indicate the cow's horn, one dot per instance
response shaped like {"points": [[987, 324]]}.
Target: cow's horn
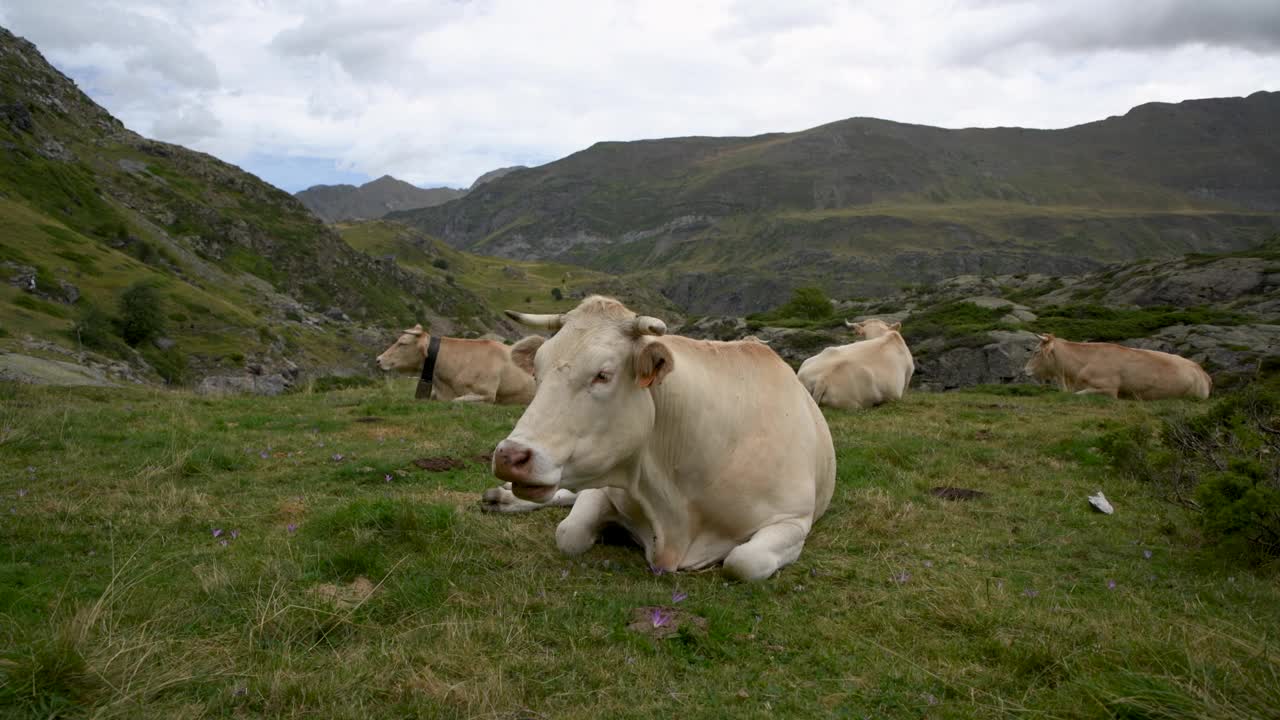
{"points": [[850, 324], [553, 321], [646, 325]]}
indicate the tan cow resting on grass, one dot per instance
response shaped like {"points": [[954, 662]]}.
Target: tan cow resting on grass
{"points": [[465, 370], [862, 374], [706, 452], [1107, 369]]}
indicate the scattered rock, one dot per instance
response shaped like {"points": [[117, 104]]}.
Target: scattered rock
{"points": [[273, 384], [1099, 502], [22, 277], [17, 116], [336, 314], [70, 292], [164, 343], [42, 371]]}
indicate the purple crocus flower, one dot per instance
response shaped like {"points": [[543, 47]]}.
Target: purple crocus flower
{"points": [[678, 596], [223, 543], [217, 532], [240, 691], [656, 570], [1031, 593], [264, 454], [902, 577], [1111, 584], [291, 527], [386, 478], [1146, 554], [928, 563], [659, 617], [235, 534], [22, 492], [337, 457]]}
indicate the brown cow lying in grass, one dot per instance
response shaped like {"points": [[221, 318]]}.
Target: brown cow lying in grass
{"points": [[1104, 368], [466, 370]]}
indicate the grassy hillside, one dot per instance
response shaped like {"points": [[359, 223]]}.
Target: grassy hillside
{"points": [[173, 556], [862, 205], [244, 270], [501, 282]]}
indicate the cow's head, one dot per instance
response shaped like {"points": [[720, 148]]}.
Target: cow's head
{"points": [[592, 410], [407, 353], [1042, 361], [871, 329]]}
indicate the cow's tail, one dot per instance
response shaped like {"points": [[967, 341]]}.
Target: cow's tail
{"points": [[1208, 383]]}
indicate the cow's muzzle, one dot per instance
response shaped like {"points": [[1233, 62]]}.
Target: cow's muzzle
{"points": [[513, 462]]}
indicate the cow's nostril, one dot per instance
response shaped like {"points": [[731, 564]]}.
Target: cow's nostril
{"points": [[521, 457]]}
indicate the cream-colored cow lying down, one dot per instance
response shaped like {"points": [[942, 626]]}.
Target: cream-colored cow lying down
{"points": [[1106, 369], [706, 452], [466, 370], [862, 374]]}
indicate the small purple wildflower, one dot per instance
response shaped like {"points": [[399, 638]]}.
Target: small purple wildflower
{"points": [[1111, 584], [929, 698], [223, 543], [235, 534], [264, 454], [240, 691], [901, 578], [386, 478], [564, 573], [928, 563], [1146, 554], [22, 492], [678, 596], [217, 532], [656, 570], [337, 457], [291, 527], [1031, 593], [31, 469], [659, 617]]}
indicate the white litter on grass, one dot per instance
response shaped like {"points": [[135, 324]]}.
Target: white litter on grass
{"points": [[1099, 503]]}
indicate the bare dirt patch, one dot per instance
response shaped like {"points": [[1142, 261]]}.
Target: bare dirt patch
{"points": [[955, 493], [370, 419], [439, 464], [346, 596], [663, 621]]}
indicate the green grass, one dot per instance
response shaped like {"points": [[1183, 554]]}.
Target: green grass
{"points": [[1102, 323], [116, 599]]}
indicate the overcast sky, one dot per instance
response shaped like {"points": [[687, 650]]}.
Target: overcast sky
{"points": [[436, 92]]}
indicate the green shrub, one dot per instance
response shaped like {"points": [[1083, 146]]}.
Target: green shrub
{"points": [[951, 320], [338, 382], [1223, 462], [95, 329], [556, 294], [171, 364], [440, 263], [808, 302], [1098, 323], [141, 313]]}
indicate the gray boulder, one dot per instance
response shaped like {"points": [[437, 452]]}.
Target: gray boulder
{"points": [[996, 357]]}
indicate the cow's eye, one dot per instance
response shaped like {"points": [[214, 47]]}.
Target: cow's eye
{"points": [[601, 378]]}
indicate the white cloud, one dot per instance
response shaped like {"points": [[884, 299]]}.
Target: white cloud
{"points": [[440, 92]]}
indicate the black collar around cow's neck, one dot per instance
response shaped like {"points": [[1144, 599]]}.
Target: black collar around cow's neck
{"points": [[428, 368]]}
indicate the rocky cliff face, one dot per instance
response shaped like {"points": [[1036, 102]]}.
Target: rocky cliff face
{"points": [[991, 343]]}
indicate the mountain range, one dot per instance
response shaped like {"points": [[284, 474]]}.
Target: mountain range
{"points": [[862, 206], [374, 199]]}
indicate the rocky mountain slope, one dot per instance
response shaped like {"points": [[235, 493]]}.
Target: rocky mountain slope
{"points": [[861, 206], [1220, 309], [334, 203], [253, 288]]}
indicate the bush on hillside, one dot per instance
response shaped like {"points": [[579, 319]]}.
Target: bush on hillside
{"points": [[141, 313], [95, 329], [1099, 323], [808, 307], [1224, 463]]}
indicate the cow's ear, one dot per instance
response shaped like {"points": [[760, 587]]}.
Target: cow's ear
{"points": [[653, 362], [896, 326], [522, 352], [1047, 337]]}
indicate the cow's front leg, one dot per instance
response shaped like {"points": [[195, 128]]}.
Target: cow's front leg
{"points": [[772, 547], [592, 510], [473, 397], [501, 499], [1114, 393]]}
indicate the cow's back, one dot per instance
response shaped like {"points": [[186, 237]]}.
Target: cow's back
{"points": [[861, 374], [748, 423]]}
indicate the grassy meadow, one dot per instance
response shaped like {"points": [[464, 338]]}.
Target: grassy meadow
{"points": [[169, 555]]}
